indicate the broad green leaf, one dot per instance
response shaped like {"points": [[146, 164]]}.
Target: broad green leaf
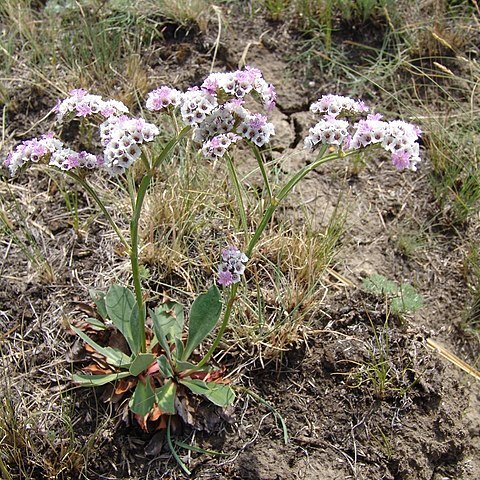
{"points": [[170, 319], [99, 299], [114, 357], [221, 395], [159, 333], [165, 397], [96, 323], [165, 367], [143, 397], [98, 380], [204, 315], [196, 386], [182, 366], [179, 348], [141, 362], [135, 327], [120, 303]]}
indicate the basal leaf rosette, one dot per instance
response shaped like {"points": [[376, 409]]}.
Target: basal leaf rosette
{"points": [[164, 381]]}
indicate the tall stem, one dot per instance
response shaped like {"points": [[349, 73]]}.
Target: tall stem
{"points": [[284, 191], [137, 284], [261, 165], [142, 191], [238, 193]]}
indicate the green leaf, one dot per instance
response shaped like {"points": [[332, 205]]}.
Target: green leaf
{"points": [[143, 397], [179, 348], [170, 319], [204, 316], [96, 323], [183, 366], [114, 357], [165, 367], [409, 300], [98, 298], [165, 397], [159, 333], [120, 304], [98, 380], [135, 327], [380, 285], [141, 362], [221, 395]]}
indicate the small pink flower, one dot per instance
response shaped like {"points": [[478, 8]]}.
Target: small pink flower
{"points": [[401, 159], [83, 109]]}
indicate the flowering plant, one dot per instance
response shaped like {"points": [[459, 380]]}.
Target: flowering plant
{"points": [[159, 363]]}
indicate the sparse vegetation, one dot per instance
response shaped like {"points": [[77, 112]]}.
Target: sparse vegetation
{"points": [[413, 60]]}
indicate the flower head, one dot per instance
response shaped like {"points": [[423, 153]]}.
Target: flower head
{"points": [[83, 104], [232, 267], [397, 137], [163, 97], [216, 110], [34, 150], [122, 137], [334, 105]]}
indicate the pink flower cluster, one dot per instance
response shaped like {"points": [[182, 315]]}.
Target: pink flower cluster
{"points": [[398, 138], [49, 148], [334, 105], [83, 104], [216, 109], [232, 267], [163, 97], [120, 135]]}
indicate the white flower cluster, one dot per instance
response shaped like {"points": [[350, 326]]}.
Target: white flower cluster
{"points": [[334, 105], [216, 110], [256, 128], [232, 267], [68, 159], [397, 137], [330, 132], [218, 145], [241, 83], [83, 104], [48, 148], [196, 105], [122, 137], [163, 97]]}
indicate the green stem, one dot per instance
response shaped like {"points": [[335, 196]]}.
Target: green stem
{"points": [[284, 191], [238, 193], [142, 190], [169, 147], [223, 326], [274, 202], [141, 193], [261, 165], [172, 448], [83, 182]]}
